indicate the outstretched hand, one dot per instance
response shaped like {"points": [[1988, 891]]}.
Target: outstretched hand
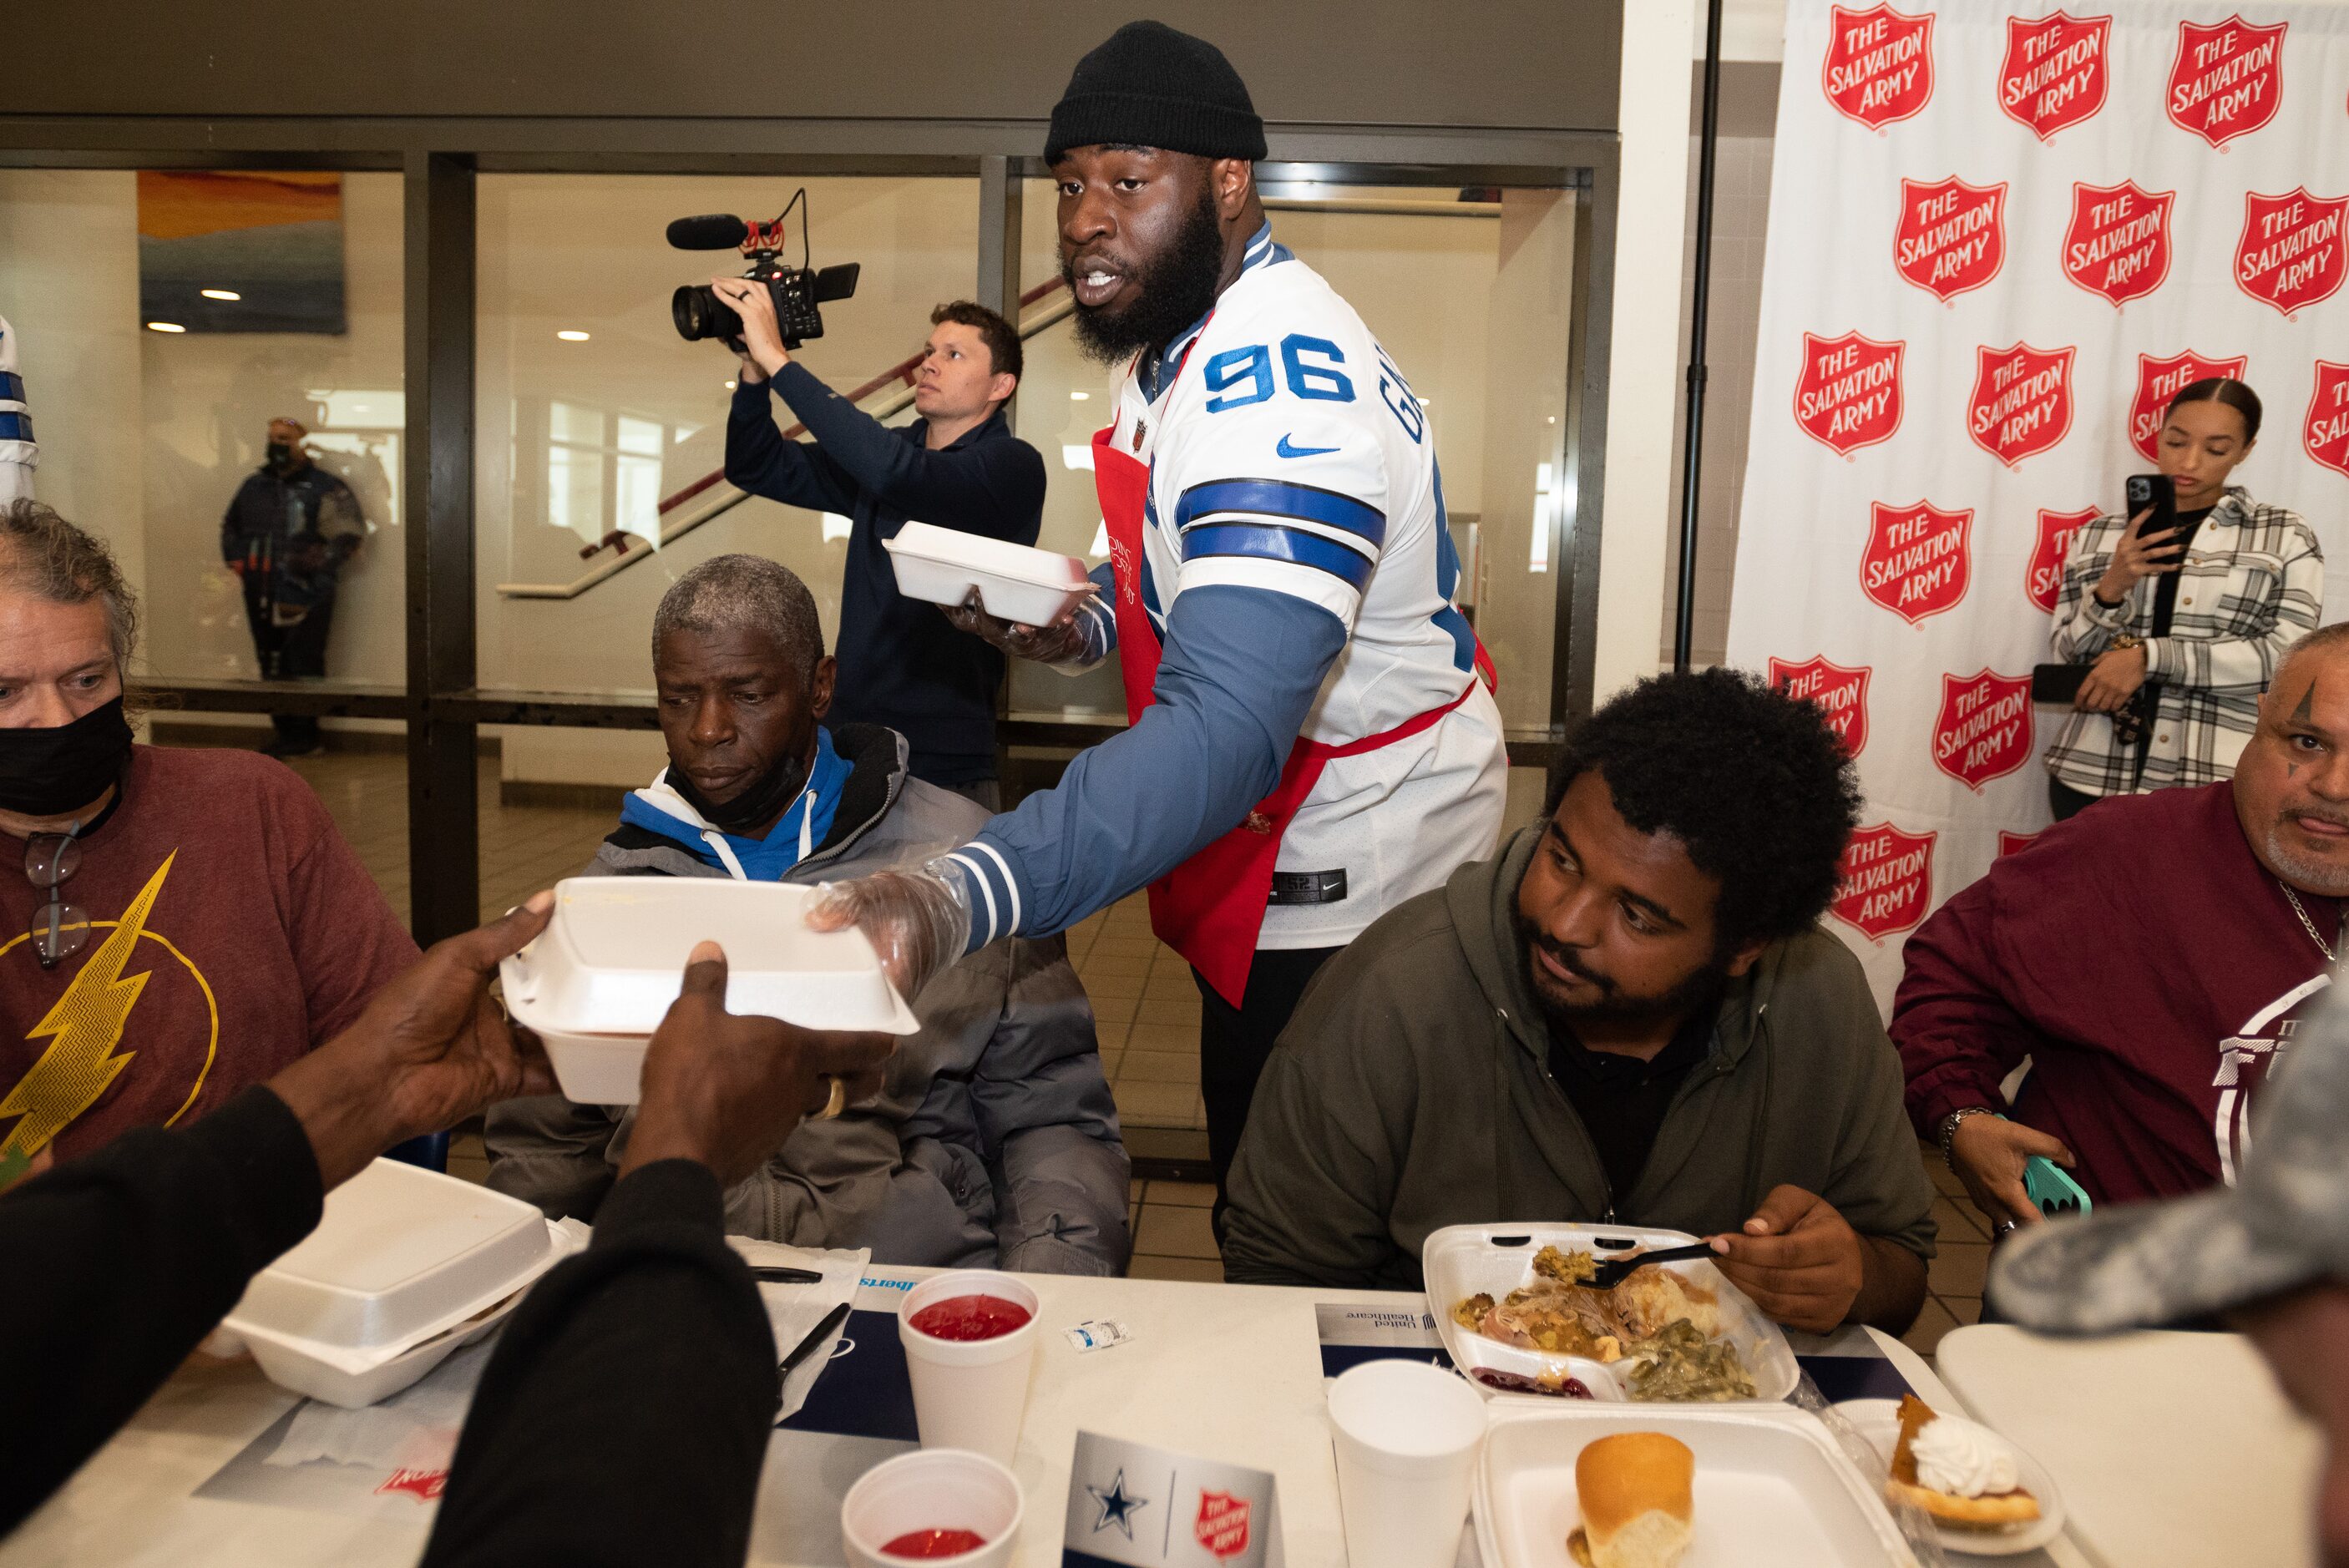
{"points": [[429, 1050]]}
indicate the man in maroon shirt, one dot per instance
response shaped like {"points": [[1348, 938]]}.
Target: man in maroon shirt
{"points": [[174, 925], [2152, 957]]}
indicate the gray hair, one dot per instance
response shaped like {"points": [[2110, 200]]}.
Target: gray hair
{"points": [[2317, 642], [47, 556], [734, 592]]}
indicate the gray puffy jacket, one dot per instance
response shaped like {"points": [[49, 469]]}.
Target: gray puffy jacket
{"points": [[994, 1141]]}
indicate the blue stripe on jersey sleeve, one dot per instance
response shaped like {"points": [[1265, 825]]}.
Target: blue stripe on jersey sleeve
{"points": [[12, 386], [1276, 497], [1270, 541], [15, 427]]}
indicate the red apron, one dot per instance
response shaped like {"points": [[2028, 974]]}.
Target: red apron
{"points": [[1210, 908]]}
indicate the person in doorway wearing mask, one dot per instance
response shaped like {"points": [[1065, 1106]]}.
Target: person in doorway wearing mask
{"points": [[1630, 1018], [174, 925], [994, 1141], [2181, 627], [290, 530]]}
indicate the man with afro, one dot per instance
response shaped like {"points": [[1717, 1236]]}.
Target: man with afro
{"points": [[1629, 1017]]}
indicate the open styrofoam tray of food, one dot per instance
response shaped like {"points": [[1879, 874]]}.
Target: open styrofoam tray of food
{"points": [[1771, 1489], [595, 983], [1527, 1352], [1013, 582]]}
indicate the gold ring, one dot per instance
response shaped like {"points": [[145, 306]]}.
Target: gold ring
{"points": [[832, 1107]]}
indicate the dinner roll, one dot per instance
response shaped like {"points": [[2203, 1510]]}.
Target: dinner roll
{"points": [[1634, 1489]]}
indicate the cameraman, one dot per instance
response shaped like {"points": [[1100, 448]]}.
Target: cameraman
{"points": [[958, 466]]}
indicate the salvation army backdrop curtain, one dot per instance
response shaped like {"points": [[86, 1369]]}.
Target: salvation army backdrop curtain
{"points": [[2001, 236]]}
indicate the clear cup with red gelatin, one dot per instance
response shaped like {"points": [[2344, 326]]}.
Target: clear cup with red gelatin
{"points": [[970, 1338], [946, 1508]]}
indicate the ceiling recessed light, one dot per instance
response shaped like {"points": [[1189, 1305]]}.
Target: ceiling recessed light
{"points": [[165, 326], [220, 294], [1079, 396], [729, 386], [572, 335]]}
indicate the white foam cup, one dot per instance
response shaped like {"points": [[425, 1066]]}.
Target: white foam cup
{"points": [[1406, 1434], [935, 1489], [969, 1393]]}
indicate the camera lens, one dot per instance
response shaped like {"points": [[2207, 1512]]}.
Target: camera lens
{"points": [[700, 314]]}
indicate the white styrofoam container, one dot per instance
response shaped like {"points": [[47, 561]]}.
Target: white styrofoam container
{"points": [[400, 1252], [595, 983], [1771, 1488], [305, 1367], [1013, 582], [1460, 1261]]}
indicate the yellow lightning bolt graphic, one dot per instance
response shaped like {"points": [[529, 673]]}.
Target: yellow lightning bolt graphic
{"points": [[84, 1028]]}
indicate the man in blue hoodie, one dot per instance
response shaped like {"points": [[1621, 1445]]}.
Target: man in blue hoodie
{"points": [[994, 1139]]}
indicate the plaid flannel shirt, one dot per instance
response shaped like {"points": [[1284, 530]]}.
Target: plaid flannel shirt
{"points": [[2252, 584]]}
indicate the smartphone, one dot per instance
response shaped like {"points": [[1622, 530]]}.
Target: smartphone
{"points": [[2153, 491]]}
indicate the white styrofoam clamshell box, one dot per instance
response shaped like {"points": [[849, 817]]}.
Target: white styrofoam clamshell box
{"points": [[1771, 1491], [1014, 582], [401, 1256], [1460, 1261], [595, 982]]}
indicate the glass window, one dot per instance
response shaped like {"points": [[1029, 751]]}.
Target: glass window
{"points": [[162, 321]]}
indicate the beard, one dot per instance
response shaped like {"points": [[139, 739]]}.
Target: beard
{"points": [[2310, 873], [1614, 1005], [1176, 289]]}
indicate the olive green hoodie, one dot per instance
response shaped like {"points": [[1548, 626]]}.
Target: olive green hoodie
{"points": [[1412, 1091]]}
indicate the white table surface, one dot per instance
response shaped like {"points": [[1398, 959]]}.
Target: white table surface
{"points": [[1226, 1371], [2173, 1450]]}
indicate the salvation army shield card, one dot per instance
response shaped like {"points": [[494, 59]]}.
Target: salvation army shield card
{"points": [[1133, 1506]]}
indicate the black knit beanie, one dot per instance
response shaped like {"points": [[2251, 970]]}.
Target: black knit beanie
{"points": [[1154, 86]]}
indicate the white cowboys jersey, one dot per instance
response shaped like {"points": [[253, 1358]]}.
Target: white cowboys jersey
{"points": [[19, 455], [1289, 455]]}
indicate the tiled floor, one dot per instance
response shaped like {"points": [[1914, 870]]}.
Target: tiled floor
{"points": [[1145, 1007]]}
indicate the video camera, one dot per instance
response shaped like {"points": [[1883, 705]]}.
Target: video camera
{"points": [[796, 290]]}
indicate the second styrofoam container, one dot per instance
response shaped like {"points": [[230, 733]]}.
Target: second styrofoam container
{"points": [[1772, 1490], [595, 982], [1013, 582], [1461, 1261]]}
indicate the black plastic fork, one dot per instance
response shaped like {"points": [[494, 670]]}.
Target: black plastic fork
{"points": [[1613, 1272]]}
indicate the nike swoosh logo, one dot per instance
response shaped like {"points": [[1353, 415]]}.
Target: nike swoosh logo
{"points": [[1285, 450]]}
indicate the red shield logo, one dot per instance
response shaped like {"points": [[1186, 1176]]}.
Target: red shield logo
{"points": [[1849, 393], [425, 1486], [2118, 243], [2043, 577], [1918, 561], [2054, 73], [1984, 730], [1887, 881], [1952, 236], [1223, 1525], [1880, 64], [2327, 432], [2021, 403], [2010, 842], [2227, 80], [2291, 252], [2159, 380], [1840, 693]]}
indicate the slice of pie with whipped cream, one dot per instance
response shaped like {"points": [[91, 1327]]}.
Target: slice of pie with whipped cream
{"points": [[1957, 1470]]}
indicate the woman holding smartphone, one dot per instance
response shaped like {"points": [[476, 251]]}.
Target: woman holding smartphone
{"points": [[2179, 621]]}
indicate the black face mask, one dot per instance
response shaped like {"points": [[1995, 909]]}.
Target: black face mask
{"points": [[766, 798], [49, 772], [280, 453]]}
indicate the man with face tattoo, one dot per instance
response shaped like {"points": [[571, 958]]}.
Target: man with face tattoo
{"points": [[1629, 1017], [1310, 743], [2153, 958]]}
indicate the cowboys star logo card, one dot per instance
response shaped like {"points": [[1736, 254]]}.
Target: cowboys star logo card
{"points": [[1133, 1506]]}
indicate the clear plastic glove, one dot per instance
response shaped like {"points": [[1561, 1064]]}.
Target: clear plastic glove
{"points": [[917, 921], [1059, 643]]}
